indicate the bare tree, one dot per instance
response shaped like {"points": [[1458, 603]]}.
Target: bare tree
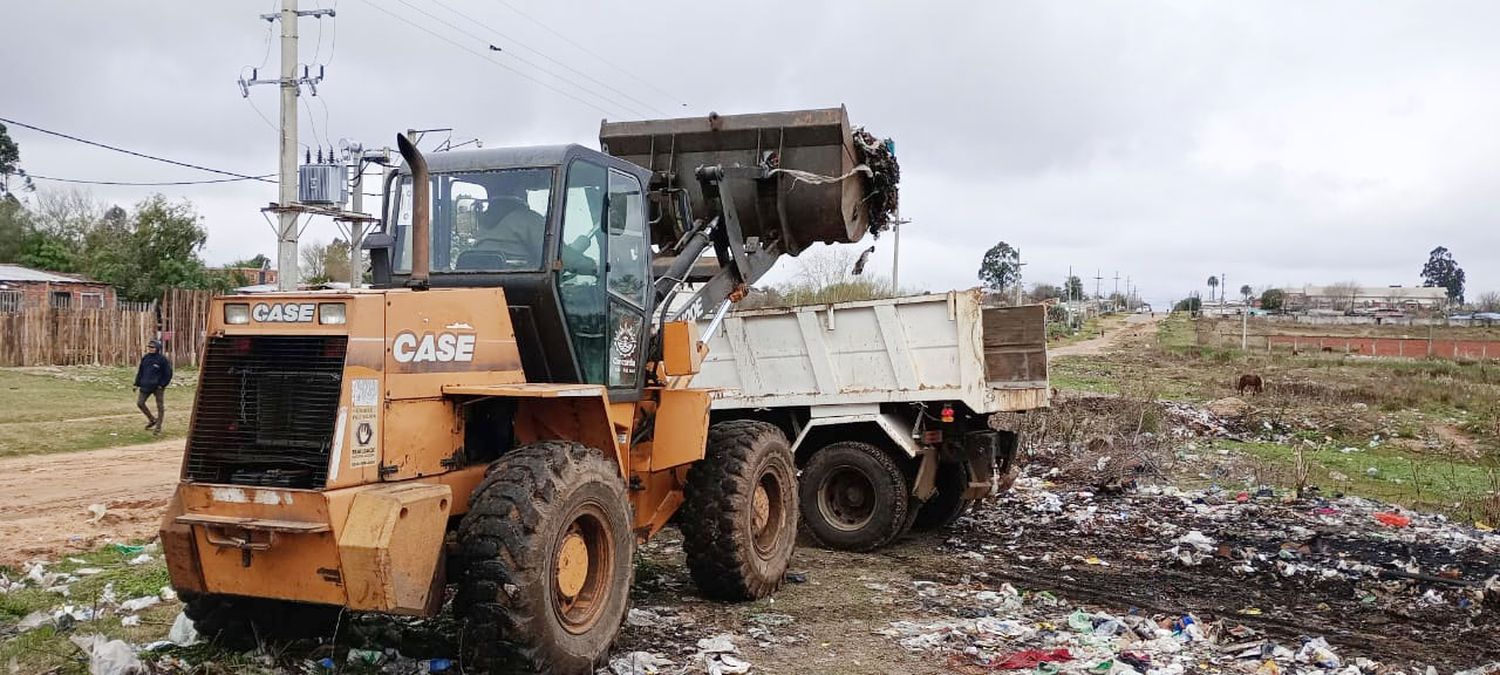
{"points": [[1489, 301], [1342, 295]]}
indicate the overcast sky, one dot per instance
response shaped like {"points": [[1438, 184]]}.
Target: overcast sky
{"points": [[1277, 143]]}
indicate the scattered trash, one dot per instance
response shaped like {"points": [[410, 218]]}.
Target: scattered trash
{"points": [[108, 657], [1392, 519], [97, 512], [1031, 658], [638, 663]]}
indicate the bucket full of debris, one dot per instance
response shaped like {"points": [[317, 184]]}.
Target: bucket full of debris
{"points": [[823, 181]]}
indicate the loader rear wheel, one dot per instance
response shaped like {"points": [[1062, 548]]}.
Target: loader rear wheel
{"points": [[547, 551], [241, 623], [739, 520], [854, 497], [947, 504]]}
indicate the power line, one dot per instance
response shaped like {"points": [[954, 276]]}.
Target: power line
{"points": [[424, 29], [533, 64], [149, 183], [588, 51], [132, 152], [538, 52]]}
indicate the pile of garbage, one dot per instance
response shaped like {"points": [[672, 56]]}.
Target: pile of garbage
{"points": [[1014, 630], [1250, 572], [882, 194]]}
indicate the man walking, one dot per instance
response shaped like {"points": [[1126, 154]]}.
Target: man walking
{"points": [[151, 378]]}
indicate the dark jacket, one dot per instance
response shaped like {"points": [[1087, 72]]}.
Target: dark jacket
{"points": [[155, 372]]}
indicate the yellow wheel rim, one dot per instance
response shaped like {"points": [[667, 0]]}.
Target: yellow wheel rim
{"points": [[572, 565]]}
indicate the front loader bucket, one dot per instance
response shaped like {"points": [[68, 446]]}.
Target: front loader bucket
{"points": [[801, 212]]}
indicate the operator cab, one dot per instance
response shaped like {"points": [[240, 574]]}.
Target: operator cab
{"points": [[563, 229]]}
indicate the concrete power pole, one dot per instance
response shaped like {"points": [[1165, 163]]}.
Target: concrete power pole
{"points": [[286, 227], [896, 252], [286, 207], [357, 228]]}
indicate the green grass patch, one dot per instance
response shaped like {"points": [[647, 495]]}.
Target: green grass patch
{"points": [[1081, 374], [1445, 484], [45, 649], [63, 409]]}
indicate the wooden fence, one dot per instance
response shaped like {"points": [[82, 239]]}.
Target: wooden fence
{"points": [[39, 335]]}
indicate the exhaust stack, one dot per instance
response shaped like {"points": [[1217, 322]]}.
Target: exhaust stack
{"points": [[421, 211]]}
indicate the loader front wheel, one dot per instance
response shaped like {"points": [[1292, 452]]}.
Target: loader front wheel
{"points": [[739, 520], [241, 623], [547, 552], [854, 497]]}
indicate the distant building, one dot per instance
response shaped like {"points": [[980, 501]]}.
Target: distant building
{"points": [[1365, 299], [248, 276], [25, 287]]}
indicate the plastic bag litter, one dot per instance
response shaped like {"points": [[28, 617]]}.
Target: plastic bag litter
{"points": [[637, 663], [138, 604], [96, 512], [1317, 652], [108, 657], [183, 632]]}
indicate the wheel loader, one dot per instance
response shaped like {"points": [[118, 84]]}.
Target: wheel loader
{"points": [[507, 411]]}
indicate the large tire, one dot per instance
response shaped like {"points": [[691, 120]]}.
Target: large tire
{"points": [[947, 504], [854, 497], [739, 520], [239, 622], [547, 561]]}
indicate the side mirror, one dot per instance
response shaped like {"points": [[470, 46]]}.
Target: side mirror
{"points": [[380, 245]]}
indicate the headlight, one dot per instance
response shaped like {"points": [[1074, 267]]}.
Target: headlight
{"points": [[331, 312], [236, 313]]}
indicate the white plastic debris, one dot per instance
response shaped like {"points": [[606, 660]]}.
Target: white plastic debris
{"points": [[638, 663], [718, 644], [183, 632], [96, 512], [137, 604], [108, 657], [142, 559]]}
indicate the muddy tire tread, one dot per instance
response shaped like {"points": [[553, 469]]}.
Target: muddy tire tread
{"points": [[902, 515], [719, 495], [505, 513]]}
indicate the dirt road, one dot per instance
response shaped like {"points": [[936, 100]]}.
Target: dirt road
{"points": [[1135, 324], [46, 498]]}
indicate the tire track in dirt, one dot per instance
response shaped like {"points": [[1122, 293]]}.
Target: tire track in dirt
{"points": [[46, 498]]}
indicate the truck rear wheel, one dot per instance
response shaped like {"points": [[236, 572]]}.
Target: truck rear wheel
{"points": [[854, 496], [547, 552], [947, 504], [239, 622], [739, 522]]}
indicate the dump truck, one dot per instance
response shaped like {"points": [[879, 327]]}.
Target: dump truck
{"points": [[509, 409], [901, 412]]}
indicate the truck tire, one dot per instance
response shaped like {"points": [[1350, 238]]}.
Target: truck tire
{"points": [[854, 496], [947, 504], [239, 622], [739, 520], [547, 561]]}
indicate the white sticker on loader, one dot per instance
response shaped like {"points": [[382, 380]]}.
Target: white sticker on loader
{"points": [[364, 423]]}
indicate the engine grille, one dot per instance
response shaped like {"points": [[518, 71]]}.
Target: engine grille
{"points": [[265, 411]]}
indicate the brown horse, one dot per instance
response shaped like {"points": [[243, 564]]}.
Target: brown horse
{"points": [[1251, 382]]}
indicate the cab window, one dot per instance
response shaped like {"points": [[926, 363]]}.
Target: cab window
{"points": [[581, 269], [629, 263]]}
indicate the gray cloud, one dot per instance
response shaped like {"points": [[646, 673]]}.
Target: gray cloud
{"points": [[1274, 142]]}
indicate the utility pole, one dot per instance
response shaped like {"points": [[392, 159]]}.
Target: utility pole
{"points": [[1098, 277], [896, 251], [286, 207], [1019, 285], [286, 227], [357, 228]]}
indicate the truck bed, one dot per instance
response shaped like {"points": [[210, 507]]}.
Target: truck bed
{"points": [[918, 348]]}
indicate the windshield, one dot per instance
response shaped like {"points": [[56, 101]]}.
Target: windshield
{"points": [[482, 221]]}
